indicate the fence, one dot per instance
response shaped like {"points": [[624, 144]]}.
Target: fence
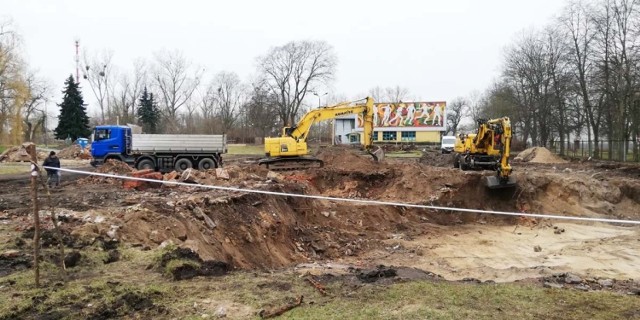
{"points": [[615, 150]]}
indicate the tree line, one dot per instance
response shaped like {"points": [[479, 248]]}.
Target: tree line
{"points": [[187, 99], [169, 93], [577, 78]]}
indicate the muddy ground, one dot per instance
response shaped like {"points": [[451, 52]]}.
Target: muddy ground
{"points": [[246, 231]]}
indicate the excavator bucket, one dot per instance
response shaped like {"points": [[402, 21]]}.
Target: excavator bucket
{"points": [[377, 155], [493, 182]]}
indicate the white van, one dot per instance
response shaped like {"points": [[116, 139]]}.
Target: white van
{"points": [[448, 142]]}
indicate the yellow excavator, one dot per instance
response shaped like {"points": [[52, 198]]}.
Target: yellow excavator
{"points": [[488, 149], [290, 151]]}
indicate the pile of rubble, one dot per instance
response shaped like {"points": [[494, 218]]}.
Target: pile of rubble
{"points": [[75, 151], [20, 154], [109, 167], [230, 175]]}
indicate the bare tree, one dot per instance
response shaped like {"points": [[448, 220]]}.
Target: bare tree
{"points": [[396, 94], [34, 116], [261, 111], [292, 70], [176, 81], [230, 96], [98, 72], [124, 95], [456, 111], [13, 88], [577, 19], [475, 101], [206, 98], [377, 94]]}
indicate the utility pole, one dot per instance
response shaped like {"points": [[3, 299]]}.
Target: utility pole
{"points": [[77, 61]]}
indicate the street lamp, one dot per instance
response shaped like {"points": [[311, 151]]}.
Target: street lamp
{"points": [[319, 95]]}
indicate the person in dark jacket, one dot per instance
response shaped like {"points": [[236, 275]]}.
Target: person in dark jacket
{"points": [[53, 175]]}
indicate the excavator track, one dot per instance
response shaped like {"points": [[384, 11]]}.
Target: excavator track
{"points": [[291, 163]]}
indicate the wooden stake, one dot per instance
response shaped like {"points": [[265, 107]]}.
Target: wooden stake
{"points": [[56, 227], [31, 150], [36, 222]]}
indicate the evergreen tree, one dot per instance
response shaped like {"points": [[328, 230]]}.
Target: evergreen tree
{"points": [[148, 113], [73, 121]]}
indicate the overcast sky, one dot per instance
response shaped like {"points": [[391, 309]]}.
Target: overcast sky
{"points": [[436, 49]]}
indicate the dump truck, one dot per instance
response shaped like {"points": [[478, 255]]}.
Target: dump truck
{"points": [[161, 152]]}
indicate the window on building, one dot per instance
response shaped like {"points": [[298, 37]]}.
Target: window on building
{"points": [[375, 136], [389, 136], [408, 136]]}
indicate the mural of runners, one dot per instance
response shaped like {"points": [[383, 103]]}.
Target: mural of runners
{"points": [[409, 114]]}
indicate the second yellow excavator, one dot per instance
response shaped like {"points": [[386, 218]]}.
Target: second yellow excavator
{"points": [[489, 148], [290, 150]]}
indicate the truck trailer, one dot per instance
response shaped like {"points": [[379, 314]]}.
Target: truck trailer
{"points": [[161, 152]]}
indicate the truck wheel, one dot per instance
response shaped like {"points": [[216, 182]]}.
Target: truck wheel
{"points": [[206, 164], [183, 164], [146, 164]]}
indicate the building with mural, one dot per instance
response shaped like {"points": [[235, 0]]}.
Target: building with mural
{"points": [[420, 122]]}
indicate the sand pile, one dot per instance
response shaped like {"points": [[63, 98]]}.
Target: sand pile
{"points": [[539, 155]]}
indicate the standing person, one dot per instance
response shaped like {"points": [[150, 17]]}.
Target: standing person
{"points": [[53, 175]]}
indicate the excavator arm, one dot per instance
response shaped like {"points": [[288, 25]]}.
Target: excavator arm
{"points": [[502, 127], [292, 145], [488, 148], [301, 131]]}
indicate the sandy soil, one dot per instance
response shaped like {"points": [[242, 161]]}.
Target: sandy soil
{"points": [[508, 253]]}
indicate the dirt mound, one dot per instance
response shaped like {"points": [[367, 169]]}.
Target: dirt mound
{"points": [[437, 158], [539, 155], [114, 167], [109, 167], [346, 158], [74, 151], [579, 195], [19, 154]]}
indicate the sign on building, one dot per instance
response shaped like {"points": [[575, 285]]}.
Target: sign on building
{"points": [[424, 115]]}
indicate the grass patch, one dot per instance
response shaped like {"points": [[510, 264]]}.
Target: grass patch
{"points": [[444, 300], [245, 149], [131, 288], [13, 168], [3, 148], [255, 291]]}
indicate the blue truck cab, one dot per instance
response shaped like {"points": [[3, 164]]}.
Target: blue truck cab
{"points": [[111, 142]]}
